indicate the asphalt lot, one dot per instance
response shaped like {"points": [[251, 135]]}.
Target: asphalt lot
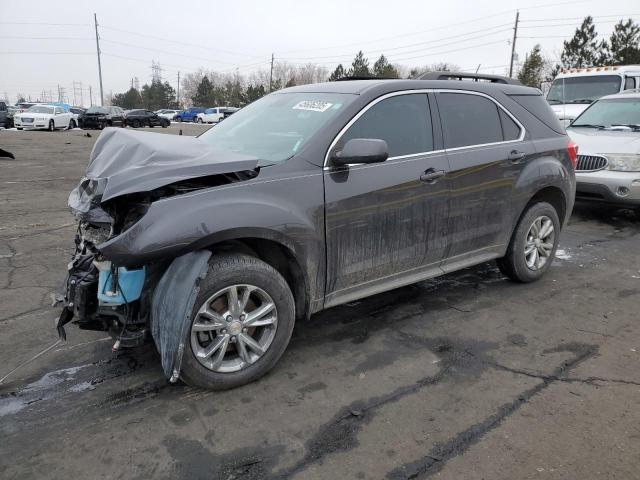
{"points": [[468, 376]]}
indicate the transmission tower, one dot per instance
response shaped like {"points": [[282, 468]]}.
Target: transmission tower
{"points": [[156, 71]]}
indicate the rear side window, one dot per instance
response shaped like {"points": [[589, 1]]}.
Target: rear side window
{"points": [[403, 121], [468, 120], [537, 106], [510, 129]]}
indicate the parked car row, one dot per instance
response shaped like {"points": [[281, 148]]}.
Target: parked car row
{"points": [[53, 117], [200, 114]]}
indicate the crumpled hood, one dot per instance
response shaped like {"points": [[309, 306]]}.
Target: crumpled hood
{"points": [[133, 161], [592, 141]]}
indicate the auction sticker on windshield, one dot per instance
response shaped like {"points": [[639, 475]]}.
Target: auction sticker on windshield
{"points": [[313, 106]]}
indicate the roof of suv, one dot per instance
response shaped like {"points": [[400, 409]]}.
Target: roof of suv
{"points": [[380, 86], [635, 93]]}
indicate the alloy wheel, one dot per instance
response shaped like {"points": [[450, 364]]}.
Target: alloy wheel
{"points": [[540, 242], [233, 328]]}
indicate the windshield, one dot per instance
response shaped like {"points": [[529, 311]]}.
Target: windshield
{"points": [[275, 127], [583, 89], [605, 113], [97, 110], [40, 109]]}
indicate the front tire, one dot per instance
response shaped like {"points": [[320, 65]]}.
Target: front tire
{"points": [[72, 124], [52, 126], [533, 244], [241, 323]]}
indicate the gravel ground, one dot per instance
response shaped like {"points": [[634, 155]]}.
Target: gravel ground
{"points": [[465, 376]]}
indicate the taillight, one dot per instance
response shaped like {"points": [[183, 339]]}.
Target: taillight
{"points": [[572, 149]]}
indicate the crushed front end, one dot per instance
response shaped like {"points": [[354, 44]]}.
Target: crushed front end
{"points": [[98, 294]]}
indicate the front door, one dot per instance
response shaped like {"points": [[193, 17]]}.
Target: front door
{"points": [[386, 222]]}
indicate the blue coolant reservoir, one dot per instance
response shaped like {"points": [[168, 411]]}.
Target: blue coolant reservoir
{"points": [[129, 286]]}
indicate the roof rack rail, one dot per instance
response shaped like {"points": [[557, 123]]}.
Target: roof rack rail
{"points": [[347, 79], [475, 77]]}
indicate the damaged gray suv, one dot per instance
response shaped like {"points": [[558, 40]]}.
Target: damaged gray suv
{"points": [[308, 198]]}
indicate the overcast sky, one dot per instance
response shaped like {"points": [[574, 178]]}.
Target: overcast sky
{"points": [[44, 44]]}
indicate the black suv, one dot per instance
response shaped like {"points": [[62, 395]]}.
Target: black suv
{"points": [[101, 117], [308, 198], [6, 119], [146, 118]]}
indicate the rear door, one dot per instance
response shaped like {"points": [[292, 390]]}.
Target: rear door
{"points": [[386, 222], [486, 151]]}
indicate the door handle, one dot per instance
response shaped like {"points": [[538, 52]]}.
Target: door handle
{"points": [[432, 175], [516, 156]]}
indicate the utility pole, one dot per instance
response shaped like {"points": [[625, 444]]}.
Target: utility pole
{"points": [[90, 97], [271, 75], [178, 94], [95, 21], [513, 43]]}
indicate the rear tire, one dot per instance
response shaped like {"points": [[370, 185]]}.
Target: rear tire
{"points": [[533, 244], [238, 271]]}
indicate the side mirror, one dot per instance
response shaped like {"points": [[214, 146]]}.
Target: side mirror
{"points": [[361, 150]]}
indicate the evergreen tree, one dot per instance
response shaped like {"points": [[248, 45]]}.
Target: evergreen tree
{"points": [[128, 100], [337, 74], [383, 69], [624, 48], [360, 66], [158, 95], [532, 71], [253, 93], [204, 93], [584, 50]]}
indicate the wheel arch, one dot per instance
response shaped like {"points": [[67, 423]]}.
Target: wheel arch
{"points": [[279, 256], [552, 195]]}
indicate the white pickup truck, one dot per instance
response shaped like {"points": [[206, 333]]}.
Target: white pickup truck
{"points": [[574, 89]]}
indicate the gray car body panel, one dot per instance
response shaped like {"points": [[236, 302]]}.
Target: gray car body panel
{"points": [[288, 203]]}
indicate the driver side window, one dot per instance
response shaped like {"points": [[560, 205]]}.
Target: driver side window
{"points": [[403, 121]]}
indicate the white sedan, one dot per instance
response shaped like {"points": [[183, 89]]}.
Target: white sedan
{"points": [[43, 117]]}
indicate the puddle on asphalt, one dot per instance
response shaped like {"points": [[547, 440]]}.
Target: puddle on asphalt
{"points": [[562, 254], [43, 389]]}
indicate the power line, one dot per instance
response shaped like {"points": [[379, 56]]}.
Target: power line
{"points": [[582, 18], [47, 24], [40, 52], [402, 35], [43, 38], [178, 42], [440, 40], [562, 24], [165, 52]]}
